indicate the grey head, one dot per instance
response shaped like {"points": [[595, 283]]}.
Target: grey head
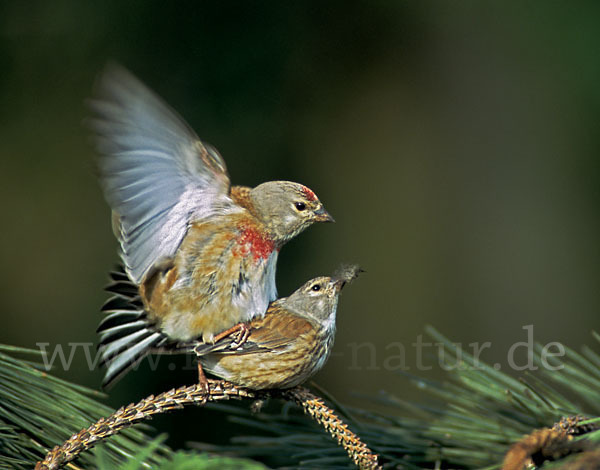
{"points": [[287, 208], [317, 299]]}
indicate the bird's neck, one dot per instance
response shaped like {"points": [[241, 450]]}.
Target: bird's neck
{"points": [[241, 196]]}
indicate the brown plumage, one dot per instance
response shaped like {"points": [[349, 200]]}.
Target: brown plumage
{"points": [[201, 253], [285, 347]]}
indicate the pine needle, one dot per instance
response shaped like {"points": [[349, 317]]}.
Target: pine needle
{"points": [[37, 410]]}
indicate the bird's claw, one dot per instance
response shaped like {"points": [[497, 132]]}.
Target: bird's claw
{"points": [[238, 333], [241, 336]]}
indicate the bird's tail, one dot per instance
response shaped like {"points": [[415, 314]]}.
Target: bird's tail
{"points": [[126, 335]]}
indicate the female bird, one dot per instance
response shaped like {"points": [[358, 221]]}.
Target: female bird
{"points": [[200, 253], [286, 346]]}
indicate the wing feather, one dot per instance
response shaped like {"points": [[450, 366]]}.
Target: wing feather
{"points": [[277, 329], [156, 173]]}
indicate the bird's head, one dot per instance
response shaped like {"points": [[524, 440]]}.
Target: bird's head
{"points": [[287, 208], [318, 298]]}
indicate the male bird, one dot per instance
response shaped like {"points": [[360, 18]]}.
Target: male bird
{"points": [[201, 254], [286, 346]]}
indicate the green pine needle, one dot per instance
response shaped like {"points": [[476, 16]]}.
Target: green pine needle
{"points": [[478, 413], [39, 411], [472, 419]]}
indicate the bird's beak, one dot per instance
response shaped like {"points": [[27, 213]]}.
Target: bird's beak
{"points": [[321, 215]]}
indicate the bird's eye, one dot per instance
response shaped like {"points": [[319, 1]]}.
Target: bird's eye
{"points": [[316, 287], [300, 206]]}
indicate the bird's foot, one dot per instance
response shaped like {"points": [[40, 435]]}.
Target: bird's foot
{"points": [[239, 334], [203, 381]]}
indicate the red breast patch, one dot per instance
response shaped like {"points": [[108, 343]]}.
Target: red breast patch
{"points": [[253, 241]]}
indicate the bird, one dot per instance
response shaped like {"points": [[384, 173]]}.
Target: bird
{"points": [[288, 345], [283, 348], [199, 254]]}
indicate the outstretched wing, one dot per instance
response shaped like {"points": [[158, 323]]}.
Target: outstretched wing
{"points": [[156, 173]]}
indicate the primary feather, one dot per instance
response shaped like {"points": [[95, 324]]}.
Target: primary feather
{"points": [[157, 174]]}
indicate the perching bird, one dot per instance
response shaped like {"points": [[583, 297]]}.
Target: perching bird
{"points": [[282, 349], [201, 254], [286, 346]]}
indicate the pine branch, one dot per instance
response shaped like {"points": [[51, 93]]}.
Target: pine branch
{"points": [[38, 410], [196, 395], [477, 414], [358, 451], [556, 443], [469, 420]]}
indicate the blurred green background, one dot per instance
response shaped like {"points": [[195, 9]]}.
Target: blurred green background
{"points": [[455, 143]]}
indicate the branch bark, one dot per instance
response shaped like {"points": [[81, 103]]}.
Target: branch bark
{"points": [[218, 390]]}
